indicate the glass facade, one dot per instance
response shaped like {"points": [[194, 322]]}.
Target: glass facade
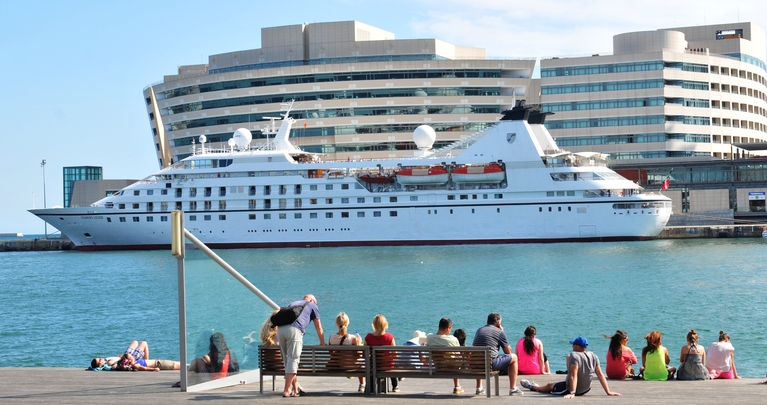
{"points": [[631, 138], [72, 174], [603, 68]]}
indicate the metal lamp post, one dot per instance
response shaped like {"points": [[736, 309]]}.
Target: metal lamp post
{"points": [[45, 204]]}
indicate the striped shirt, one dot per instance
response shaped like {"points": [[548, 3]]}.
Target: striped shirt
{"points": [[493, 336]]}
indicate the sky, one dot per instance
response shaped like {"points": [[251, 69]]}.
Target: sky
{"points": [[72, 72]]}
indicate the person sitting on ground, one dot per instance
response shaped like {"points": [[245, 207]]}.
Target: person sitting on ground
{"points": [[581, 363], [345, 339], [721, 358], [443, 338], [619, 357], [492, 335], [532, 359], [218, 363], [655, 359], [693, 358], [380, 337]]}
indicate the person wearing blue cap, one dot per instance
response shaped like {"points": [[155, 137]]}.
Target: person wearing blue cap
{"points": [[580, 364]]}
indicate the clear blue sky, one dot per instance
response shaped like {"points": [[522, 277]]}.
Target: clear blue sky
{"points": [[73, 72]]}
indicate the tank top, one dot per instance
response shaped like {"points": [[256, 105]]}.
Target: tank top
{"points": [[336, 339], [528, 363], [692, 368], [655, 366]]}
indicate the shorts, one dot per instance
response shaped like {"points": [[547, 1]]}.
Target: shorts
{"points": [[165, 364], [501, 363], [560, 388], [721, 375]]}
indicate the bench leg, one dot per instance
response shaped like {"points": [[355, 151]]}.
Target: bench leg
{"points": [[497, 388]]}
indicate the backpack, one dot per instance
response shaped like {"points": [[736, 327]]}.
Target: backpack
{"points": [[286, 316]]}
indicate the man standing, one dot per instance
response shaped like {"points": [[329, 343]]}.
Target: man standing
{"points": [[493, 335], [291, 338], [443, 338], [580, 364]]}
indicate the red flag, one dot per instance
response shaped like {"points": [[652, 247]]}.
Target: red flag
{"points": [[666, 183]]}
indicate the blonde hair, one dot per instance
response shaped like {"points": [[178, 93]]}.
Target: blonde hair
{"points": [[379, 325], [268, 331], [342, 322]]}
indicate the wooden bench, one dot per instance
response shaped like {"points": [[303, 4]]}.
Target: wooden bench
{"points": [[464, 362], [320, 361]]}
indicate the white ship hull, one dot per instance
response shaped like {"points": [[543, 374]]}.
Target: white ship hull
{"points": [[293, 202]]}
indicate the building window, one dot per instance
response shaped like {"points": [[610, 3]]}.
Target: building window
{"points": [[178, 206], [297, 189], [283, 189], [451, 197], [297, 203], [208, 205], [164, 192], [179, 193], [283, 203]]}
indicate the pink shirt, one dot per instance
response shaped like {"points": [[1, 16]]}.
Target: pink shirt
{"points": [[616, 368], [528, 363]]}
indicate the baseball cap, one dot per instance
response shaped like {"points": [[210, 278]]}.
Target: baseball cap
{"points": [[580, 341]]}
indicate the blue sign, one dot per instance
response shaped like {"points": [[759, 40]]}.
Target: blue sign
{"points": [[756, 195]]}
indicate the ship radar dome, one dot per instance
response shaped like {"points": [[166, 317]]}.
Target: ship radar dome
{"points": [[242, 138], [203, 139], [424, 137]]}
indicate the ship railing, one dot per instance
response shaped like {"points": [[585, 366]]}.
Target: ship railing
{"points": [[461, 144]]}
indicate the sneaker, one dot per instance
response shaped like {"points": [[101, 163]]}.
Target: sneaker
{"points": [[479, 391], [361, 388], [396, 389], [516, 391], [527, 384], [458, 390]]}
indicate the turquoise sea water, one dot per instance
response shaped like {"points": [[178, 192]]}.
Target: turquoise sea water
{"points": [[62, 308]]}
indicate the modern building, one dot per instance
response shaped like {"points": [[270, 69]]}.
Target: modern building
{"points": [[76, 173], [87, 192], [359, 92], [689, 92]]}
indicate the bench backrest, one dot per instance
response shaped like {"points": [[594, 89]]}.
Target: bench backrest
{"points": [[470, 360], [317, 359]]}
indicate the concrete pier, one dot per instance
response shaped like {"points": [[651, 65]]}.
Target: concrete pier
{"points": [[32, 245], [77, 386]]}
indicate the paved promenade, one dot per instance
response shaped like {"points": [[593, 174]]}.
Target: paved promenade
{"points": [[77, 386]]}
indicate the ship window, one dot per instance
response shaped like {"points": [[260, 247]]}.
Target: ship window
{"points": [[464, 196], [360, 200], [206, 217], [178, 193], [168, 185], [136, 192], [121, 206], [472, 210], [313, 187], [498, 210], [413, 198], [135, 206], [208, 205], [150, 192], [328, 186], [560, 193], [109, 205], [344, 215], [549, 209], [122, 219], [344, 186], [222, 191], [178, 205], [283, 203], [267, 216], [376, 213], [252, 190], [193, 218], [559, 209], [328, 215], [435, 212], [192, 205], [392, 199], [267, 190], [376, 199], [283, 216], [297, 189], [297, 203], [207, 191], [498, 196], [392, 213], [569, 208], [571, 193], [451, 210], [312, 215], [252, 217], [110, 219], [164, 192], [344, 201], [150, 206], [484, 196], [540, 209], [164, 206], [549, 194], [358, 186], [328, 201], [451, 197], [163, 218], [267, 204], [283, 189], [360, 214], [222, 204], [313, 201], [251, 204], [193, 192], [150, 219], [473, 196]]}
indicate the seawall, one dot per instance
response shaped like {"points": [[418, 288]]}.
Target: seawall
{"points": [[38, 245]]}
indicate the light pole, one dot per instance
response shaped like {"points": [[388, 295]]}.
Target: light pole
{"points": [[45, 204]]}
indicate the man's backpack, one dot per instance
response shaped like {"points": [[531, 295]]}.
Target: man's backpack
{"points": [[286, 316]]}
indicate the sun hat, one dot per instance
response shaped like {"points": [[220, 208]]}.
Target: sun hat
{"points": [[580, 341], [418, 336]]}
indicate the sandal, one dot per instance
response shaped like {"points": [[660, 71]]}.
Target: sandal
{"points": [[176, 385]]}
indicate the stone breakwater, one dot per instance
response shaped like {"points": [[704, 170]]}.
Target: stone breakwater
{"points": [[36, 245]]}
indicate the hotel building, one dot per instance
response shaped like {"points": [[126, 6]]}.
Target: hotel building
{"points": [[359, 92]]}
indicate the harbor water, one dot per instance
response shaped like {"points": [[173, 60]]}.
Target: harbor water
{"points": [[63, 308]]}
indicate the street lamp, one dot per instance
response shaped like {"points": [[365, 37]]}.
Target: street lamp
{"points": [[45, 205]]}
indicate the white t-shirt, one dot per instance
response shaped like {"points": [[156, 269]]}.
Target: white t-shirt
{"points": [[718, 356], [441, 340]]}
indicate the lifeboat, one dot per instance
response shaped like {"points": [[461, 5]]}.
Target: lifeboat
{"points": [[432, 175], [377, 179], [491, 173]]}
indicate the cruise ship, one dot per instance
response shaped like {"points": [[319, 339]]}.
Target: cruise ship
{"points": [[507, 184]]}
